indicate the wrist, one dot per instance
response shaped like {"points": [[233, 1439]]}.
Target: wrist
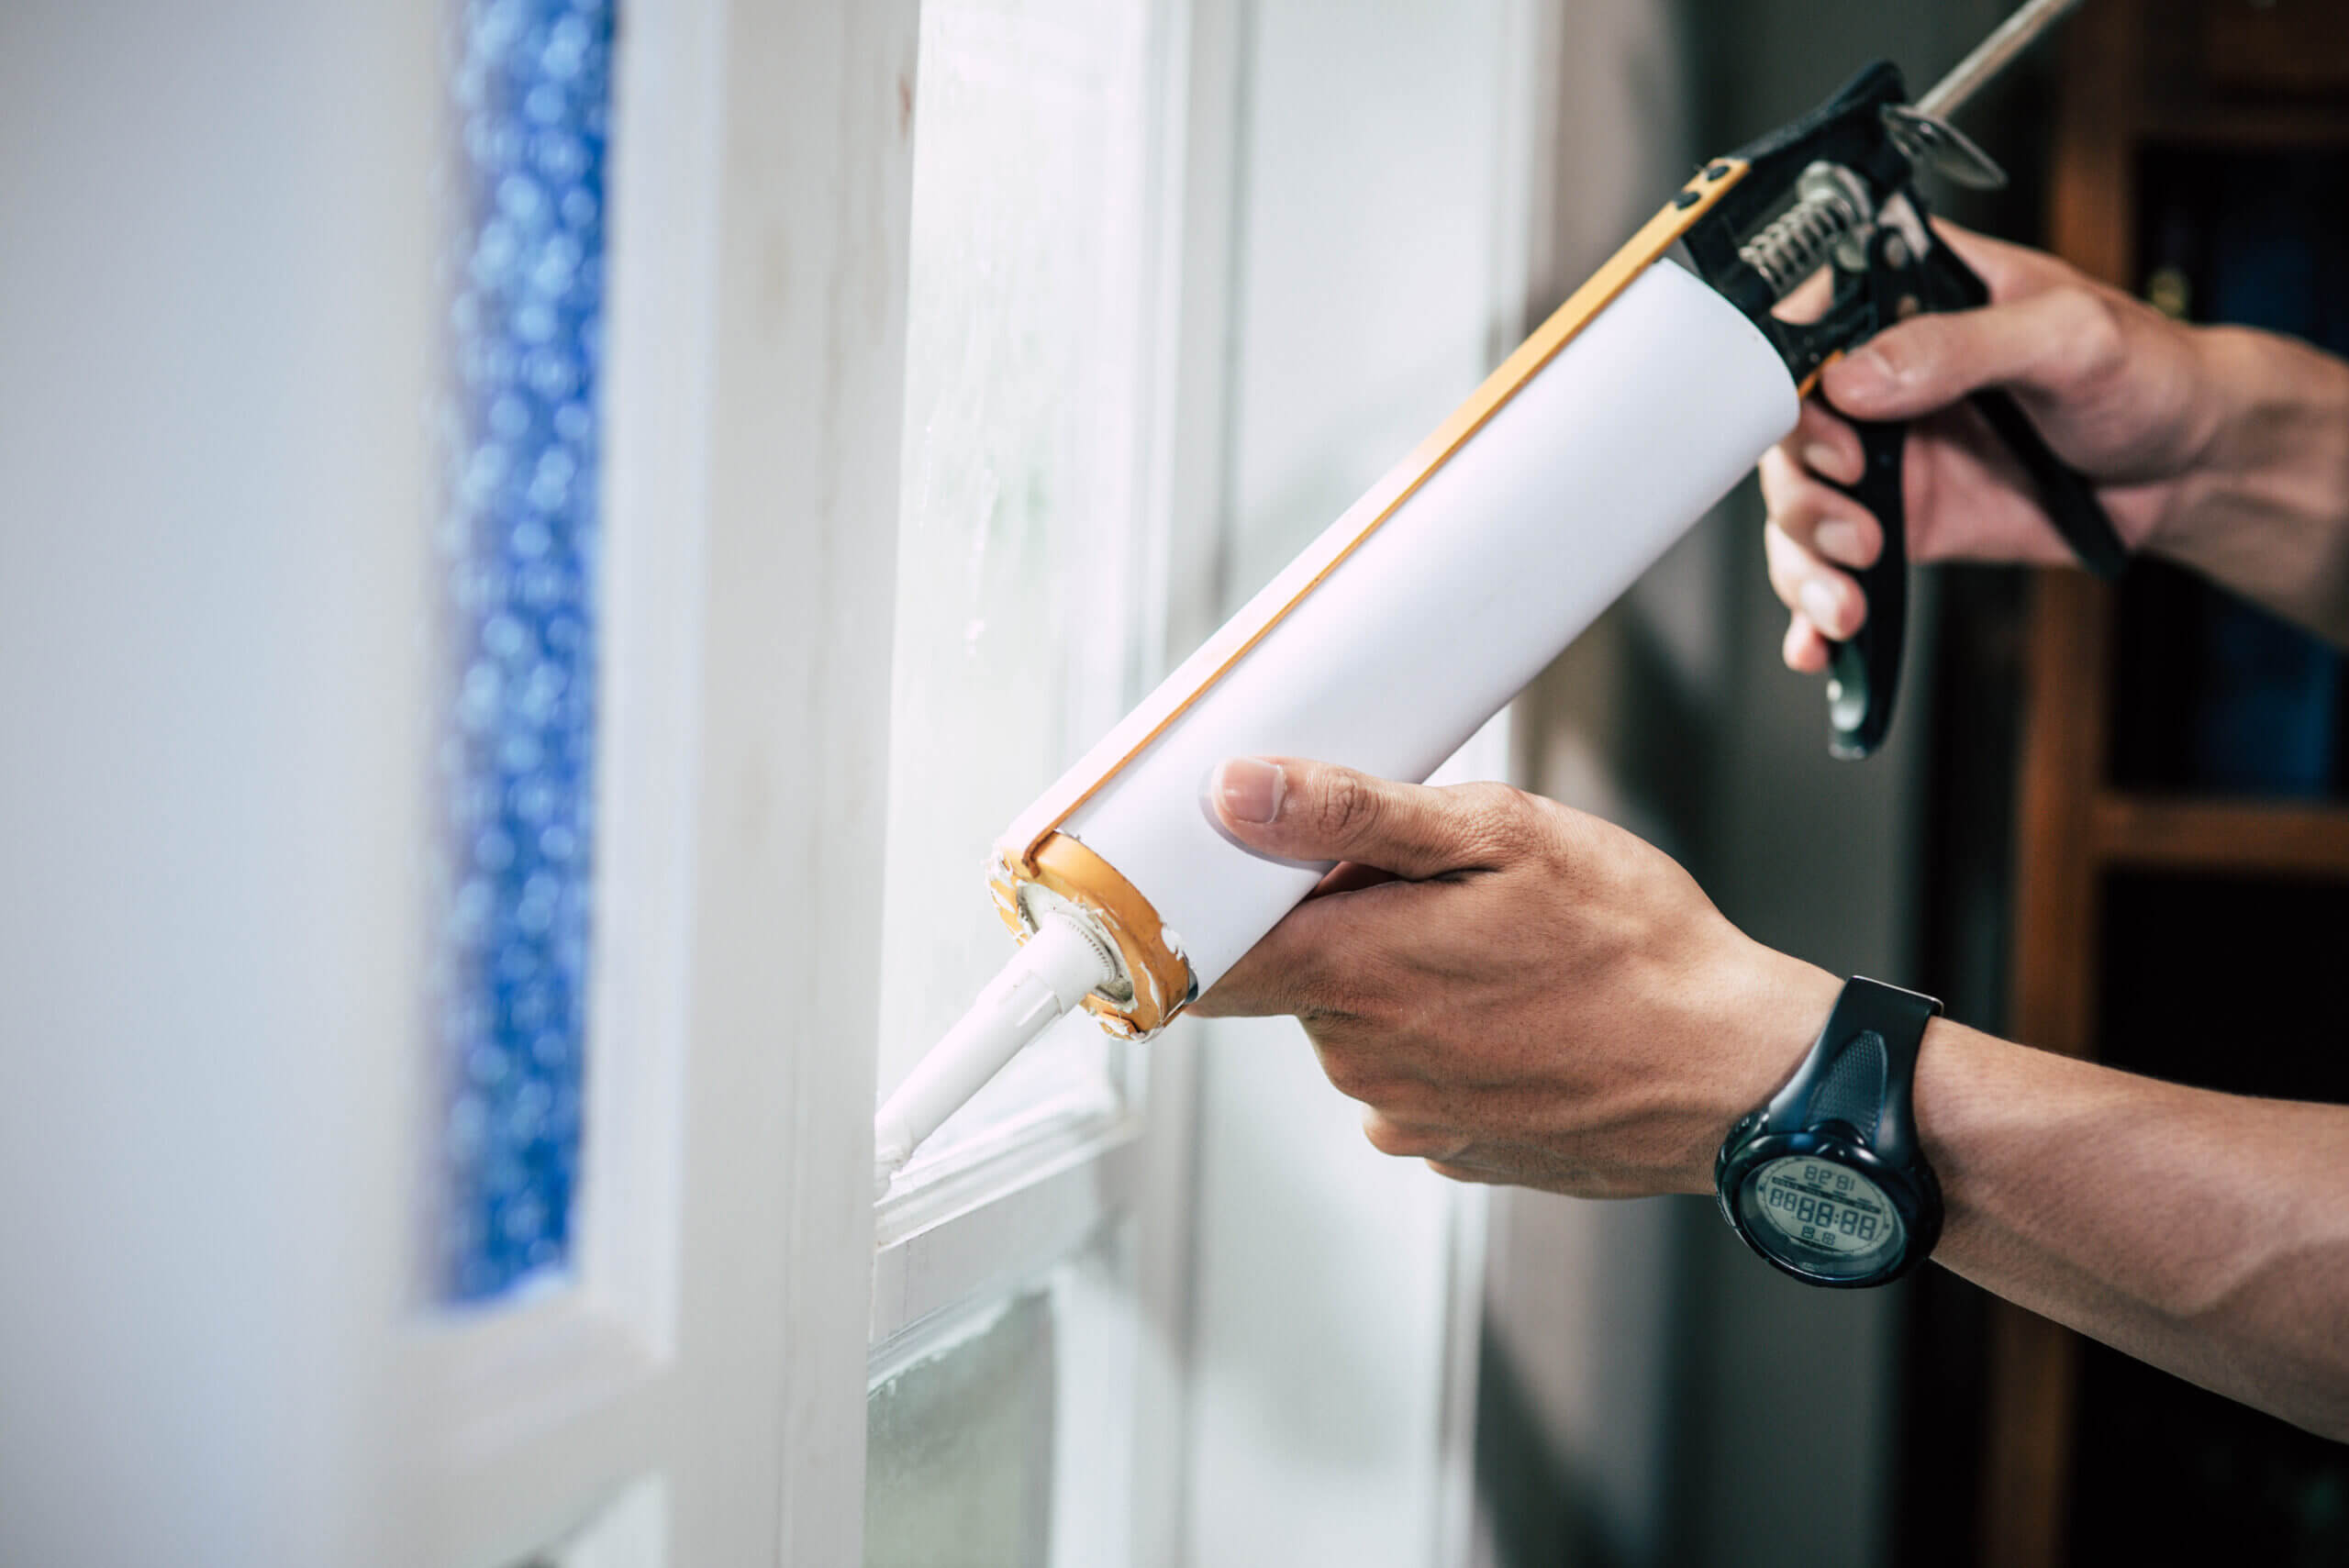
{"points": [[2261, 501], [1972, 1091], [1948, 1075], [1769, 1025], [1826, 1181]]}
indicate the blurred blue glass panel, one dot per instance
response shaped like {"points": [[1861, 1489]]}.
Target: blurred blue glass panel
{"points": [[524, 285]]}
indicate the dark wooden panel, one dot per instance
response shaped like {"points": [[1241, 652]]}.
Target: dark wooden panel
{"points": [[2283, 46], [2134, 74], [2033, 1374], [2063, 759], [2025, 1473], [2276, 840]]}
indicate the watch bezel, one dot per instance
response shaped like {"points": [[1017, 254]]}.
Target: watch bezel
{"points": [[1913, 1192]]}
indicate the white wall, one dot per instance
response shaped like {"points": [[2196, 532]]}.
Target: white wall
{"points": [[214, 328]]}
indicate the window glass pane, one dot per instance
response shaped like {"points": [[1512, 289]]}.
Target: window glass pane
{"points": [[517, 547], [958, 1449], [1008, 1438], [1025, 422]]}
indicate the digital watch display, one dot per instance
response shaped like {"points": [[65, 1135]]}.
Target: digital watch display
{"points": [[1827, 1180]]}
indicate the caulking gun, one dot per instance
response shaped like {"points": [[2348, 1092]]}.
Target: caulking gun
{"points": [[1419, 613]]}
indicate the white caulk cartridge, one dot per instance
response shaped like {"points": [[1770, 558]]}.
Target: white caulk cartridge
{"points": [[1398, 632]]}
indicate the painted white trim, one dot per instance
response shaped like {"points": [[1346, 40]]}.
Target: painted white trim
{"points": [[509, 1377], [936, 1335], [1190, 554], [1097, 1417], [1084, 1124], [989, 1248], [1520, 193], [803, 436], [1487, 755], [1160, 532], [631, 1533], [665, 216], [1198, 486], [1455, 1437]]}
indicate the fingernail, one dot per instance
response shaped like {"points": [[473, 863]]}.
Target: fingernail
{"points": [[1864, 373], [1825, 460], [1249, 789], [1838, 539], [1822, 605]]}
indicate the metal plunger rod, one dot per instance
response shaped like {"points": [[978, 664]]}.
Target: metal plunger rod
{"points": [[1990, 56]]}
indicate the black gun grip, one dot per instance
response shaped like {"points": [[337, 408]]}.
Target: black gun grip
{"points": [[1864, 674], [2065, 494]]}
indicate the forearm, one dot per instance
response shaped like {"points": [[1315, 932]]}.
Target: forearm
{"points": [[2205, 1233], [2265, 510]]}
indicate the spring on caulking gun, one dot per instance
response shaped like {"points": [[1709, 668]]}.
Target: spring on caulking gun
{"points": [[1796, 244], [1830, 203]]}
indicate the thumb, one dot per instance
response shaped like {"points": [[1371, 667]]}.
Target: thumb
{"points": [[1319, 811], [2050, 343]]}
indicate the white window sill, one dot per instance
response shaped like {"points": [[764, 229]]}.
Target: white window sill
{"points": [[982, 1215]]}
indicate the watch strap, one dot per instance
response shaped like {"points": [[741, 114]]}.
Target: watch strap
{"points": [[1862, 1070]]}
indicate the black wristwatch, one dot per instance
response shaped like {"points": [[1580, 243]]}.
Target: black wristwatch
{"points": [[1826, 1180]]}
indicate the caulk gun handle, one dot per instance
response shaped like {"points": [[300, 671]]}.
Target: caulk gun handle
{"points": [[1864, 674]]}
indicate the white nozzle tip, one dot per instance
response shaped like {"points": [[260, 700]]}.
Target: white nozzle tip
{"points": [[1049, 975]]}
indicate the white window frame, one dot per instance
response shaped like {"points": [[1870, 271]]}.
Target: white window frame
{"points": [[609, 1320], [761, 155], [1001, 1207]]}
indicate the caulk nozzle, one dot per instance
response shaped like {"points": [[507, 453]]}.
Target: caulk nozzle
{"points": [[1051, 973]]}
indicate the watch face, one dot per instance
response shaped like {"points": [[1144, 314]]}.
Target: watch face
{"points": [[1823, 1216]]}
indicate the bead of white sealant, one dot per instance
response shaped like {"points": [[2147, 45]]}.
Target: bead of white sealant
{"points": [[1052, 972]]}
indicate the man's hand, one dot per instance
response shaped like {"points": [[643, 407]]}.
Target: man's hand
{"points": [[2224, 449], [1519, 992], [1524, 993]]}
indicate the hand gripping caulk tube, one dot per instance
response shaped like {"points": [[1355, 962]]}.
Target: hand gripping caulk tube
{"points": [[1472, 563], [1386, 645]]}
